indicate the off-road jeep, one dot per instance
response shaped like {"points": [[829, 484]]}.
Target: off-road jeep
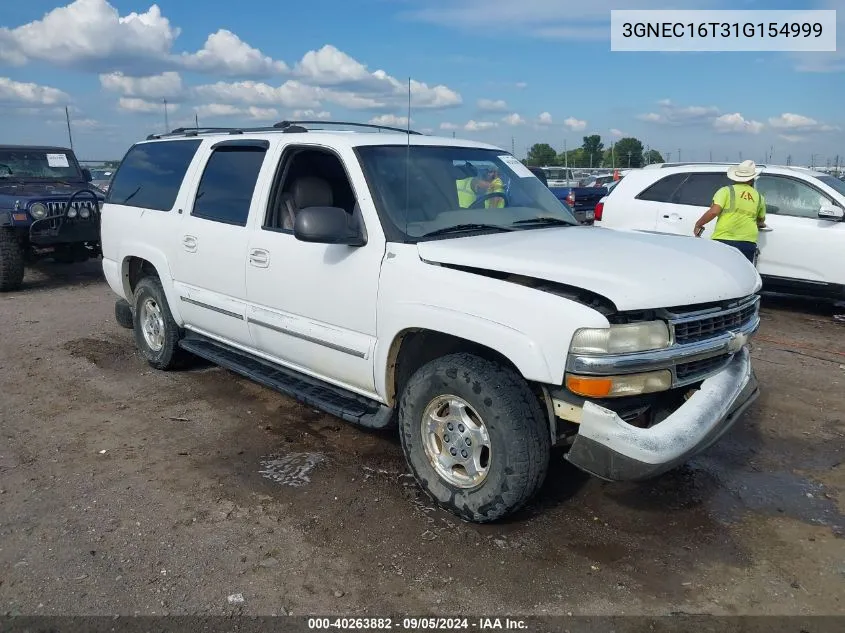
{"points": [[366, 275], [47, 209]]}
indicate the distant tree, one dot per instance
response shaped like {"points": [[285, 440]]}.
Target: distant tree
{"points": [[628, 152], [541, 154], [653, 156], [592, 149], [574, 158]]}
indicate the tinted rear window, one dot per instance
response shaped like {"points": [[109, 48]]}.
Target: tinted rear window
{"points": [[699, 189], [228, 182], [151, 174], [662, 190]]}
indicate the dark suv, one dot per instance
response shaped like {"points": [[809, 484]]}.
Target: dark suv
{"points": [[48, 208]]}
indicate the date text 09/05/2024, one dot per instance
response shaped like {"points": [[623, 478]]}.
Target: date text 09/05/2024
{"points": [[417, 624]]}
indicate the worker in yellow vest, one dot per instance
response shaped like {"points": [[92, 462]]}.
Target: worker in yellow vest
{"points": [[494, 185], [740, 209], [466, 191]]}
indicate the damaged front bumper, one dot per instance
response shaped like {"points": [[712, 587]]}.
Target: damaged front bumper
{"points": [[609, 448]]}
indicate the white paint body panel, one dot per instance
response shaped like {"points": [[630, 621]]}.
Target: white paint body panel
{"points": [[334, 311], [797, 248]]}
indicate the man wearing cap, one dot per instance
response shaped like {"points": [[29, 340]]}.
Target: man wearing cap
{"points": [[741, 210]]}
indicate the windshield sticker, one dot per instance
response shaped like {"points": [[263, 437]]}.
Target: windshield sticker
{"points": [[57, 160], [518, 168]]}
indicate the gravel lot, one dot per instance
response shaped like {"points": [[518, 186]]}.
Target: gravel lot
{"points": [[126, 490]]}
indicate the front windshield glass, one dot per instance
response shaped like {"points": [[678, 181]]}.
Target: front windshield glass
{"points": [[38, 164], [449, 190], [834, 183]]}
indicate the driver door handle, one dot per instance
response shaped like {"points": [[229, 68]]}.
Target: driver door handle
{"points": [[259, 258]]}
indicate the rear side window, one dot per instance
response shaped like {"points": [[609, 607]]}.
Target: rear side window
{"points": [[151, 174], [662, 190], [228, 182], [698, 190]]}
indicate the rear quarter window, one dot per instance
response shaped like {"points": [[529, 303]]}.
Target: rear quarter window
{"points": [[663, 189], [151, 174], [698, 190]]}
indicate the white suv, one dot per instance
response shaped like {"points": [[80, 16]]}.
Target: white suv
{"points": [[338, 267], [802, 250]]}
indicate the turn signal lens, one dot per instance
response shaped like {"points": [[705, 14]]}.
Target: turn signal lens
{"points": [[619, 386]]}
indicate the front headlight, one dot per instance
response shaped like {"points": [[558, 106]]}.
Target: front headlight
{"points": [[621, 339], [38, 211]]}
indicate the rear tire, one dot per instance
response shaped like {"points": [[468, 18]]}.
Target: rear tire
{"points": [[11, 261], [157, 334], [123, 314], [474, 436]]}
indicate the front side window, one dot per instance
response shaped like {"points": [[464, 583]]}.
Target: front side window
{"points": [[151, 174], [787, 196], [228, 182], [834, 183], [423, 192], [698, 190], [35, 164]]}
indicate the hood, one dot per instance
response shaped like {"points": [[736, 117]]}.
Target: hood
{"points": [[636, 271], [27, 191]]}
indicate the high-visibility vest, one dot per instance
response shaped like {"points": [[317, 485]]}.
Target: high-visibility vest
{"points": [[466, 195], [495, 187]]}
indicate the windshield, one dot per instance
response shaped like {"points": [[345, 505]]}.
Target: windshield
{"points": [[456, 189], [834, 183], [38, 164]]}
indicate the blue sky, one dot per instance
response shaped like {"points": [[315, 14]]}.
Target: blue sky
{"points": [[496, 70]]}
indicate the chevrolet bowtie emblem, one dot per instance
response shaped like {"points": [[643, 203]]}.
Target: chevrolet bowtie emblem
{"points": [[736, 342]]}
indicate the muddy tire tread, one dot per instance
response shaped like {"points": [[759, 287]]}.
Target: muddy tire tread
{"points": [[11, 261]]}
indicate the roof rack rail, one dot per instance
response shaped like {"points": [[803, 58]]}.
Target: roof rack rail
{"points": [[287, 125]]}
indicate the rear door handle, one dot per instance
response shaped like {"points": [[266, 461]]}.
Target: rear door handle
{"points": [[190, 243], [259, 257]]}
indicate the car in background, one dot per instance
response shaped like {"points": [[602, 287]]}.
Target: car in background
{"points": [[48, 208], [101, 179], [802, 250], [581, 201]]}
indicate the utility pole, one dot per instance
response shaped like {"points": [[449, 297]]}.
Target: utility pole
{"points": [[613, 155], [740, 157], [711, 155], [166, 123], [629, 160], [69, 136], [197, 120], [513, 146], [788, 160], [679, 154], [566, 161]]}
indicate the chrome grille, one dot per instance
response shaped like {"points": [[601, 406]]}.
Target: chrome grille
{"points": [[700, 326], [686, 372]]}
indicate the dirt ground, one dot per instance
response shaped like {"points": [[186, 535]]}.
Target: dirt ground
{"points": [[124, 490]]}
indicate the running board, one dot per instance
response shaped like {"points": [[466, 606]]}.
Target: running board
{"points": [[310, 391]]}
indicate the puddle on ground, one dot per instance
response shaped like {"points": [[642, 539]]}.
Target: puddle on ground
{"points": [[775, 493], [293, 469]]}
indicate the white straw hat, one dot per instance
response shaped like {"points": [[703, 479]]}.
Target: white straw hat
{"points": [[743, 172]]}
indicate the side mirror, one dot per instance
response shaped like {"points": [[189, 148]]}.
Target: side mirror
{"points": [[86, 173], [327, 225], [831, 212]]}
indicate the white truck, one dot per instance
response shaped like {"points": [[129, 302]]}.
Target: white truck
{"points": [[339, 267]]}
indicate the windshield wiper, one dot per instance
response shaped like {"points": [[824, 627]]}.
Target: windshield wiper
{"points": [[460, 228], [130, 196], [557, 221]]}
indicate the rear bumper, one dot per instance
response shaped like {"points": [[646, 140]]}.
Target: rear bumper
{"points": [[611, 449]]}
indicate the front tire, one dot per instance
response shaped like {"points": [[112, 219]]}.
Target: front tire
{"points": [[123, 314], [11, 261], [474, 436], [157, 334]]}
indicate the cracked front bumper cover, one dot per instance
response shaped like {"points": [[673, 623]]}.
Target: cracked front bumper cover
{"points": [[609, 448]]}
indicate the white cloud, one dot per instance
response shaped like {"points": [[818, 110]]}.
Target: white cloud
{"points": [[799, 123], [227, 110], [311, 115], [736, 123], [390, 120], [480, 126], [291, 94], [90, 34], [449, 126], [490, 105], [521, 85], [165, 85], [134, 104], [617, 133], [545, 119], [576, 125], [673, 114], [354, 86], [31, 94], [514, 119], [791, 138], [225, 53]]}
